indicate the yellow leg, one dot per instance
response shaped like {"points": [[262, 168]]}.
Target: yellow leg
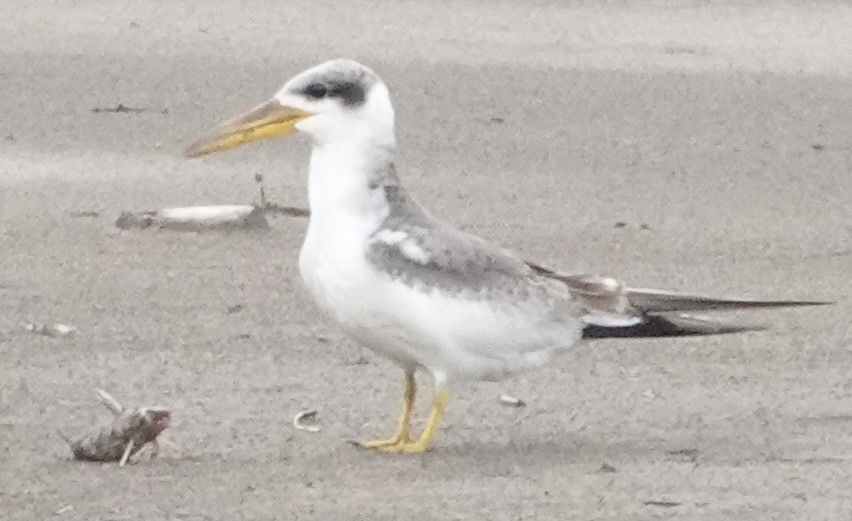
{"points": [[439, 403], [403, 430]]}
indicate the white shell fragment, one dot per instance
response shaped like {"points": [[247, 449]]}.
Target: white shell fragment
{"points": [[301, 416], [195, 218], [511, 401], [54, 330]]}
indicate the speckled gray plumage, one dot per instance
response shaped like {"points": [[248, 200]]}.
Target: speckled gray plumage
{"points": [[456, 262]]}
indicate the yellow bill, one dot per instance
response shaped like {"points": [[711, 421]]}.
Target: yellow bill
{"points": [[267, 120]]}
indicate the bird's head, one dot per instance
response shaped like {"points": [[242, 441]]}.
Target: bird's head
{"points": [[336, 101]]}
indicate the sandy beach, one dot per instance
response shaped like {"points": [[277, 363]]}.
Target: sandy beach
{"points": [[683, 145]]}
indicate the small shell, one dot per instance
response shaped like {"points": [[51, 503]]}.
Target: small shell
{"points": [[309, 414], [650, 394], [511, 401]]}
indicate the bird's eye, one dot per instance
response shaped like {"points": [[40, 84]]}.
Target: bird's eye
{"points": [[316, 90]]}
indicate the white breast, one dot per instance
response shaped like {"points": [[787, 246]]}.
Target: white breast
{"points": [[459, 337], [448, 334]]}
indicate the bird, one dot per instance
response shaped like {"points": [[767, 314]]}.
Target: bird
{"points": [[414, 288]]}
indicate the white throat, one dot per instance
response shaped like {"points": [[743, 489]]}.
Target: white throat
{"points": [[350, 147], [341, 182]]}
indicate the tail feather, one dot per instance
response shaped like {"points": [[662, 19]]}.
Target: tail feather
{"points": [[653, 326], [615, 311], [657, 301]]}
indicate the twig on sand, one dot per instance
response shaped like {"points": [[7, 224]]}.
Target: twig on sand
{"points": [[215, 217], [79, 214], [210, 217], [275, 208], [258, 178], [290, 211], [196, 218], [664, 504], [121, 108], [130, 432]]}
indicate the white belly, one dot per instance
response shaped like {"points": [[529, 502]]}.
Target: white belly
{"points": [[418, 328]]}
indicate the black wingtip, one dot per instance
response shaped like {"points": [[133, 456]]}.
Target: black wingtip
{"points": [[655, 326]]}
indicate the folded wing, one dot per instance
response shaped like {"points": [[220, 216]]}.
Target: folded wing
{"points": [[616, 311]]}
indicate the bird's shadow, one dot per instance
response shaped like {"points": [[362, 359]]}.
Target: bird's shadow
{"points": [[494, 458]]}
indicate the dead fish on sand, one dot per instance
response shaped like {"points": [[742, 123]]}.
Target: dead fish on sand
{"points": [[130, 431]]}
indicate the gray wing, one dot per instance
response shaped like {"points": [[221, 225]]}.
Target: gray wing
{"points": [[526, 313], [439, 256], [419, 250]]}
